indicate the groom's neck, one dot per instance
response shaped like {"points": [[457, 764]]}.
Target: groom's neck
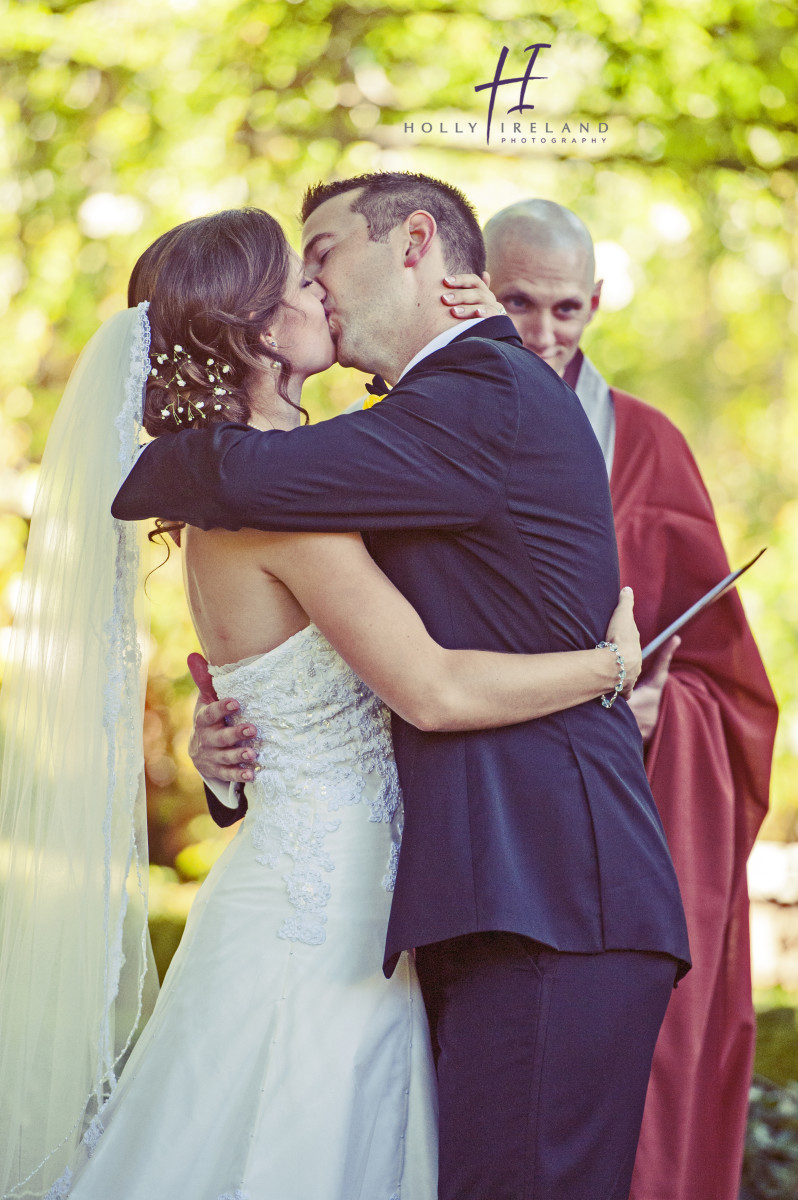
{"points": [[415, 337]]}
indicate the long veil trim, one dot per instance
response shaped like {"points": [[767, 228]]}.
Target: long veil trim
{"points": [[76, 973]]}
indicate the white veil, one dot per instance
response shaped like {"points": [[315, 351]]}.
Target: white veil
{"points": [[76, 973]]}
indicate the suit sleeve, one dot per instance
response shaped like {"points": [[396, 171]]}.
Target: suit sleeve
{"points": [[431, 455], [222, 813]]}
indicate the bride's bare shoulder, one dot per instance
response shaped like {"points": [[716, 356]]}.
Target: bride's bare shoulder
{"points": [[238, 603]]}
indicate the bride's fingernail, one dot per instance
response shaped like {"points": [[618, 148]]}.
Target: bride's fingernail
{"points": [[231, 705], [248, 732], [247, 776]]}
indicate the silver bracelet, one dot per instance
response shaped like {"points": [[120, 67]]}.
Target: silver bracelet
{"points": [[609, 699]]}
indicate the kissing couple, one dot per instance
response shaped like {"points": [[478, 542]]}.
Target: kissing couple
{"points": [[464, 906]]}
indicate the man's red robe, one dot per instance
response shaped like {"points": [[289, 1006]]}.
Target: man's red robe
{"points": [[709, 766]]}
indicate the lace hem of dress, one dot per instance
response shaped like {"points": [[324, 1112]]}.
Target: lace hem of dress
{"points": [[61, 1188], [92, 1135]]}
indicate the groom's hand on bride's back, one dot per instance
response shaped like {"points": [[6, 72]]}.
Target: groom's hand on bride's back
{"points": [[218, 747]]}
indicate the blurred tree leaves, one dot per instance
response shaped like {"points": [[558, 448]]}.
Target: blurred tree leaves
{"points": [[119, 118]]}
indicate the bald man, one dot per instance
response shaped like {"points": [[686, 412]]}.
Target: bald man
{"points": [[705, 710]]}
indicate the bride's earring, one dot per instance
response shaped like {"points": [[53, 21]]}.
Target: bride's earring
{"points": [[270, 341]]}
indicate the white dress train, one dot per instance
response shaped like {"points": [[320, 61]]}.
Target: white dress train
{"points": [[279, 1063]]}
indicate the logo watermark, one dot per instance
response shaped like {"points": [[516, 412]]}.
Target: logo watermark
{"points": [[570, 132], [574, 133], [525, 79]]}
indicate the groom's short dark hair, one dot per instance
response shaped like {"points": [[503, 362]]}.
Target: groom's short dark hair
{"points": [[388, 197]]}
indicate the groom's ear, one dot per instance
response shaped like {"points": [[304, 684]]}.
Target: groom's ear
{"points": [[420, 230]]}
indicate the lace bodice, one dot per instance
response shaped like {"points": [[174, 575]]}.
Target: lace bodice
{"points": [[324, 742]]}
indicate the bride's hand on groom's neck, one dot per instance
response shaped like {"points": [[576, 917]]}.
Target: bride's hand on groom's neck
{"points": [[469, 296]]}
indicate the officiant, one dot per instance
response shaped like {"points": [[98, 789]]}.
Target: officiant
{"points": [[705, 709]]}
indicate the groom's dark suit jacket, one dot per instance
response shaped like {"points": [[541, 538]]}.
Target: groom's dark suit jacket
{"points": [[482, 493]]}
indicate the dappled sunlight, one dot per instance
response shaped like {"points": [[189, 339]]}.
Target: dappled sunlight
{"points": [[118, 121]]}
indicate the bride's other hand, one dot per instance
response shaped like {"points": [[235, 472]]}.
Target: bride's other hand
{"points": [[624, 633], [218, 748], [468, 296]]}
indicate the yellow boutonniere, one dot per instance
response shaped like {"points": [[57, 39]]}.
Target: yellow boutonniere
{"points": [[377, 390]]}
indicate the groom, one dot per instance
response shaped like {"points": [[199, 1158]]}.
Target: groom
{"points": [[534, 878]]}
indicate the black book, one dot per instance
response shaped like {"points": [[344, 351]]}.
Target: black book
{"points": [[713, 594]]}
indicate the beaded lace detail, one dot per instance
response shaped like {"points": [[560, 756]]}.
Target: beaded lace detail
{"points": [[61, 1188], [323, 736], [92, 1135]]}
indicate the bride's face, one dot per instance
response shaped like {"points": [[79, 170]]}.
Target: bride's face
{"points": [[300, 328]]}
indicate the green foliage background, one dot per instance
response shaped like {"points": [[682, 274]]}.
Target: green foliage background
{"points": [[120, 118]]}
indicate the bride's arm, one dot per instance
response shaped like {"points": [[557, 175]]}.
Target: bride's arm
{"points": [[375, 629]]}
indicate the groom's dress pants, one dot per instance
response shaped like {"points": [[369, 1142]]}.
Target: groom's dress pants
{"points": [[543, 1061]]}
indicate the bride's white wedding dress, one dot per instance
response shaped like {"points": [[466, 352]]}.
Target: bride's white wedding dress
{"points": [[279, 1063]]}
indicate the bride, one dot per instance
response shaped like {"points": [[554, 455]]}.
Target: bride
{"points": [[279, 1063]]}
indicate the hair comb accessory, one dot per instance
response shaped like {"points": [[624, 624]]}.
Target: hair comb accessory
{"points": [[170, 372]]}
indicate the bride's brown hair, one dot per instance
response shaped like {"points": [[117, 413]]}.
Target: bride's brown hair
{"points": [[214, 285]]}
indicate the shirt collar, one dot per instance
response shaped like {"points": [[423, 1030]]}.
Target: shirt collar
{"points": [[596, 399], [441, 340]]}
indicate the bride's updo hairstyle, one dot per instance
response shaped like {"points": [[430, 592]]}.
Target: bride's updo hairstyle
{"points": [[214, 285]]}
